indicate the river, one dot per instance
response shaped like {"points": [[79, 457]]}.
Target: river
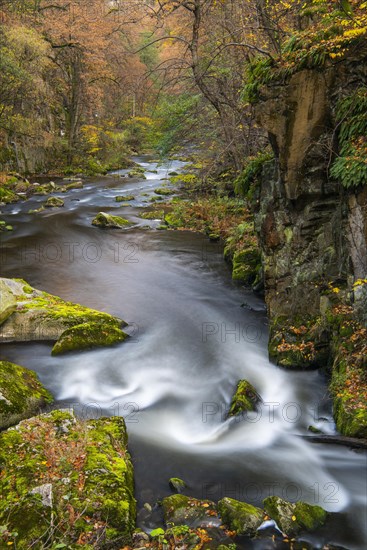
{"points": [[194, 334]]}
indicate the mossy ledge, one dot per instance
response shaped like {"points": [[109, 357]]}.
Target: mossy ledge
{"points": [[41, 316], [66, 481], [21, 394]]}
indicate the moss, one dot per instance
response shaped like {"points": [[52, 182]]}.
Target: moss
{"points": [[153, 215], [108, 221], [21, 394], [54, 202], [163, 191], [91, 475], [246, 264], [245, 398], [177, 484], [7, 196], [88, 336], [240, 516], [293, 518], [122, 198]]}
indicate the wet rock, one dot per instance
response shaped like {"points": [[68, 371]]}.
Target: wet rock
{"points": [[245, 399], [240, 516], [104, 220], [183, 510], [164, 191], [8, 302], [41, 316], [88, 336], [54, 202], [21, 394], [45, 492], [294, 518], [122, 198], [177, 484]]}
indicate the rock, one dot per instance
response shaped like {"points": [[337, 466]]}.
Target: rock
{"points": [[54, 202], [77, 184], [239, 516], [42, 316], [7, 196], [9, 227], [245, 399], [122, 198], [45, 492], [108, 221], [246, 264], [8, 302], [36, 210], [293, 518], [88, 336], [177, 484], [183, 510], [21, 394], [137, 172], [96, 504], [164, 191]]}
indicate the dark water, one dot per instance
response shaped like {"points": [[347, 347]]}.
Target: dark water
{"points": [[193, 335]]}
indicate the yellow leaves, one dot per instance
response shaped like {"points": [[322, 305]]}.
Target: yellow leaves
{"points": [[294, 518], [354, 33], [336, 290]]}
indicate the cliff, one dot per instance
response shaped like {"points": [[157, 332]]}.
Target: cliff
{"points": [[312, 229]]}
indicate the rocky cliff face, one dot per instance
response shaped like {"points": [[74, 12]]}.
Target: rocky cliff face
{"points": [[313, 236]]}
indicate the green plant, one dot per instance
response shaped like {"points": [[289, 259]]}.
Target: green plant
{"points": [[351, 166], [250, 173]]}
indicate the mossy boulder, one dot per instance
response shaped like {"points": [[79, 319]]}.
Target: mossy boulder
{"points": [[5, 227], [21, 394], [245, 399], [183, 510], [164, 191], [109, 221], [246, 264], [294, 518], [7, 195], [66, 481], [241, 517], [8, 302], [137, 172], [177, 484], [54, 202], [88, 336], [123, 198], [42, 316], [77, 184]]}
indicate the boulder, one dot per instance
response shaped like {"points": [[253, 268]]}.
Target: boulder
{"points": [[104, 220], [76, 475], [245, 399], [54, 202], [123, 198], [21, 394], [241, 517], [8, 302], [40, 316], [294, 518], [183, 510]]}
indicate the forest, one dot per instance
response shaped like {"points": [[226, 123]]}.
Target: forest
{"points": [[183, 286]]}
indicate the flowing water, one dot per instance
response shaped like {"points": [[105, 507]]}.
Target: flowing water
{"points": [[194, 334]]}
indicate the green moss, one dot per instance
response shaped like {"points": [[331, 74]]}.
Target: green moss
{"points": [[21, 394], [245, 398], [7, 196], [240, 516], [177, 484], [153, 215], [163, 191], [54, 202], [122, 198], [91, 477], [108, 221], [293, 518], [87, 336], [246, 264]]}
